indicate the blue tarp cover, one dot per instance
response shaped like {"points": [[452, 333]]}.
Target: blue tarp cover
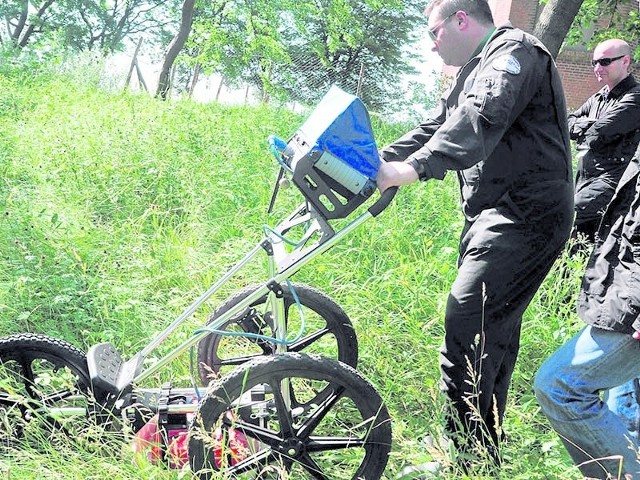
{"points": [[340, 124]]}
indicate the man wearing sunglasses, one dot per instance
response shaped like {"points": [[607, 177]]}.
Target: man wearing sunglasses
{"points": [[606, 130], [502, 129]]}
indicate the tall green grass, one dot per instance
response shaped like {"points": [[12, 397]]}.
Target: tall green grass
{"points": [[117, 211]]}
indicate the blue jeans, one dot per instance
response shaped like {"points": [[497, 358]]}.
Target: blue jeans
{"points": [[569, 386], [624, 402]]}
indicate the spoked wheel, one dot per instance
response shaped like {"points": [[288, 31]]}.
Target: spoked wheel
{"points": [[326, 330], [262, 421], [37, 374]]}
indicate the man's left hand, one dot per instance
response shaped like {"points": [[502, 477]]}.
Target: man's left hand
{"points": [[395, 174]]}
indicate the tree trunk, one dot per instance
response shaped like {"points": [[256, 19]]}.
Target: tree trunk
{"points": [[22, 21], [22, 37], [554, 23], [194, 79], [219, 88], [174, 48]]}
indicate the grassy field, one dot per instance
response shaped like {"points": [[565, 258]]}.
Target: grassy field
{"points": [[117, 211]]}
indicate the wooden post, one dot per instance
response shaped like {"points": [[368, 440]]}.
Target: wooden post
{"points": [[134, 63], [359, 87], [140, 79]]}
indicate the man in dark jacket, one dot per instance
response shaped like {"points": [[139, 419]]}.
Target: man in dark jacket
{"points": [[606, 353], [607, 131], [502, 128]]}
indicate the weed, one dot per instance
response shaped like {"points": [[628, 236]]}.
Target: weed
{"points": [[117, 211]]}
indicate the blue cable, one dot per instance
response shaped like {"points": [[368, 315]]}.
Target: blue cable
{"points": [[278, 145], [267, 229], [256, 336]]}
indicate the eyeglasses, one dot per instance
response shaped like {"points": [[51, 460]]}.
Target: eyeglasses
{"points": [[605, 62], [433, 32]]}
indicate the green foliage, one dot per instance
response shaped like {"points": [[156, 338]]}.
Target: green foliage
{"points": [[293, 51], [619, 26], [117, 211], [82, 24], [70, 192]]}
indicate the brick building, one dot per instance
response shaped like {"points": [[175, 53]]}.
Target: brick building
{"points": [[574, 63]]}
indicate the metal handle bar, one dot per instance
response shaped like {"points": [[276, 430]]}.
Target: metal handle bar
{"points": [[383, 202], [278, 146]]}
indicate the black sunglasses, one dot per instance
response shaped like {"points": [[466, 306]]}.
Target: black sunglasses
{"points": [[605, 62]]}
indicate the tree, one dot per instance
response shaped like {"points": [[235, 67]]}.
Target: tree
{"points": [[618, 25], [567, 21], [294, 50], [81, 24], [354, 43], [105, 25], [242, 40], [174, 48], [218, 40], [19, 24], [555, 21]]}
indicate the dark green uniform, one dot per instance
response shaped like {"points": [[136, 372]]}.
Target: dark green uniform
{"points": [[502, 127]]}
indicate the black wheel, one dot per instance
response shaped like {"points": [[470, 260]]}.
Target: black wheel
{"points": [[244, 428], [327, 331], [38, 373]]}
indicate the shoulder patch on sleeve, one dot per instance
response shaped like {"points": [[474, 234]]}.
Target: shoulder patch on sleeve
{"points": [[507, 63]]}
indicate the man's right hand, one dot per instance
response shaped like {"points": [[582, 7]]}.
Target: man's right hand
{"points": [[581, 125]]}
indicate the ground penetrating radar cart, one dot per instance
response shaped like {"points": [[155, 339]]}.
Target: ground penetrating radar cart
{"points": [[278, 394]]}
